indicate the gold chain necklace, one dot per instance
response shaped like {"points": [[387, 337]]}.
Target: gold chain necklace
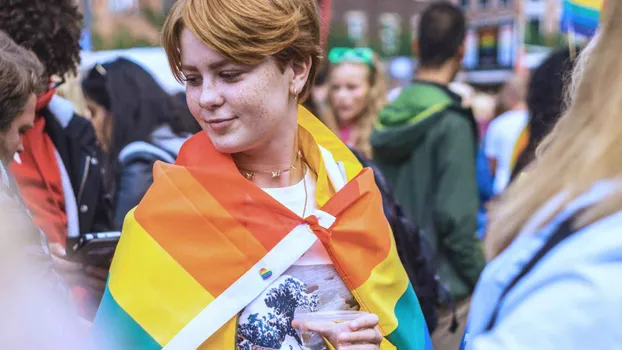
{"points": [[250, 174]]}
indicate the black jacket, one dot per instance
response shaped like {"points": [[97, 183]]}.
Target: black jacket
{"points": [[136, 175], [77, 145]]}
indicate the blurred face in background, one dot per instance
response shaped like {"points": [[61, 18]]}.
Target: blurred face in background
{"points": [[349, 91], [11, 139], [101, 119]]}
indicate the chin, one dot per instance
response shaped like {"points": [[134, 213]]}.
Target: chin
{"points": [[228, 144], [346, 119]]}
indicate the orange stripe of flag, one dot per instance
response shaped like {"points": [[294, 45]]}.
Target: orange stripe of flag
{"points": [[215, 251], [268, 220], [362, 235]]}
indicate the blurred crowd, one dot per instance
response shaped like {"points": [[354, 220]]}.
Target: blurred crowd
{"points": [[506, 221]]}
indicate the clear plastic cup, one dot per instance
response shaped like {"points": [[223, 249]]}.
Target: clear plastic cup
{"points": [[336, 319]]}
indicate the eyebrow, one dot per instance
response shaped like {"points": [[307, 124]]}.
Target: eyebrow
{"points": [[213, 66], [189, 68], [219, 64]]}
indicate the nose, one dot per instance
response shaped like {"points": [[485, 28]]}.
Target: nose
{"points": [[20, 147], [341, 94], [211, 97]]}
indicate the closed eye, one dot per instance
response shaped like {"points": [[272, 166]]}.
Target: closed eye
{"points": [[192, 80], [230, 75], [24, 129]]}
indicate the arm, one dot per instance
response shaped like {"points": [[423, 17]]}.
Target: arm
{"points": [[491, 146], [134, 180], [456, 200]]}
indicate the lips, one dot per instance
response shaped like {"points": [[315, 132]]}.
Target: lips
{"points": [[218, 120], [220, 124]]}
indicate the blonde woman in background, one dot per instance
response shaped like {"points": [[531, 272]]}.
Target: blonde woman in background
{"points": [[555, 237], [357, 93]]}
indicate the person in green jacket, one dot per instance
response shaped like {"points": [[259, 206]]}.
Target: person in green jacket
{"points": [[425, 143]]}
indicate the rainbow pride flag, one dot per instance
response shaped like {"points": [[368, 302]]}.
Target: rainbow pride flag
{"points": [[204, 240], [581, 16]]}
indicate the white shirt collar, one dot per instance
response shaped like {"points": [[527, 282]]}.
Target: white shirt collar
{"points": [[62, 109]]}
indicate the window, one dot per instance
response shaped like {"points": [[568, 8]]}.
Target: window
{"points": [[465, 3], [533, 36], [356, 23], [483, 3], [506, 3], [390, 26]]}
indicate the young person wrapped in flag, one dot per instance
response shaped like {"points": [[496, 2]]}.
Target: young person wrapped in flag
{"points": [[265, 214]]}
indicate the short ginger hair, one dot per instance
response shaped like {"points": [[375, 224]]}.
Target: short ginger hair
{"points": [[248, 31]]}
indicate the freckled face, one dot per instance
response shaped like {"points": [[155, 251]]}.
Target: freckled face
{"points": [[241, 107]]}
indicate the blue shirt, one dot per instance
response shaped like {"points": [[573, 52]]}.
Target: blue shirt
{"points": [[572, 299]]}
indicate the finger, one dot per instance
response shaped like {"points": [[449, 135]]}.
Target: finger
{"points": [[94, 283], [366, 336], [367, 321], [66, 266], [359, 347], [323, 328], [96, 272], [57, 250]]}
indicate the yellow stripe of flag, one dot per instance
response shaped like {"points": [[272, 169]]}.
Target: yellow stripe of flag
{"points": [[593, 4], [140, 264], [384, 288]]}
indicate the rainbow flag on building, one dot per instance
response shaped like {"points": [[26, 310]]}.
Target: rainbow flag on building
{"points": [[204, 239], [581, 17]]}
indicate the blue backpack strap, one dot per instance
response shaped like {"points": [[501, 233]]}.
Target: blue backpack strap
{"points": [[142, 146], [564, 230]]}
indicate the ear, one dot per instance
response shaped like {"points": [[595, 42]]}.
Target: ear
{"points": [[461, 51], [301, 71], [416, 47]]}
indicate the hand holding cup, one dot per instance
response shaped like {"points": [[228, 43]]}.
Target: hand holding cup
{"points": [[346, 330]]}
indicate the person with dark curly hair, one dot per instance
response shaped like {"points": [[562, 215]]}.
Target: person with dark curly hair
{"points": [[59, 173]]}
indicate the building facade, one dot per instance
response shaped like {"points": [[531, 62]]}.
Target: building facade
{"points": [[386, 25], [124, 23]]}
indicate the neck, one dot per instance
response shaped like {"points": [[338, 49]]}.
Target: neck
{"points": [[521, 106], [442, 75], [280, 153]]}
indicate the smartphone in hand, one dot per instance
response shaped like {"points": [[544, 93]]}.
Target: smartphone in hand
{"points": [[94, 249]]}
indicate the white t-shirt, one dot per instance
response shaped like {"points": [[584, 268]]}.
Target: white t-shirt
{"points": [[502, 134], [311, 284]]}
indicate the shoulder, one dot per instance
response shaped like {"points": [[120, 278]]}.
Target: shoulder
{"points": [[143, 152], [590, 252], [509, 120], [584, 265], [457, 124]]}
